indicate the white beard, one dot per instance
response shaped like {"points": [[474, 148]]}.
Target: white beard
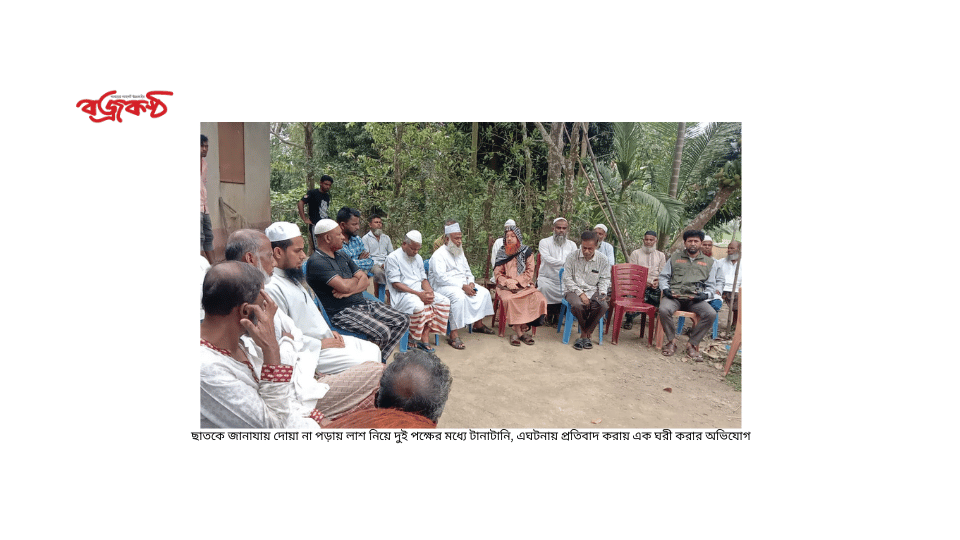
{"points": [[733, 256], [377, 232], [647, 249], [266, 276], [455, 250], [559, 239]]}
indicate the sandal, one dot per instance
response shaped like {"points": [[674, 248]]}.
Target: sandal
{"points": [[527, 338], [578, 345], [484, 330], [627, 325], [515, 340], [587, 344], [669, 349], [692, 352], [424, 346], [456, 343]]}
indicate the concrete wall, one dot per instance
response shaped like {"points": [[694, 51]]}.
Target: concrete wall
{"points": [[250, 200]]}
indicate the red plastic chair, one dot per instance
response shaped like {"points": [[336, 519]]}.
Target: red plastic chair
{"points": [[629, 284]]}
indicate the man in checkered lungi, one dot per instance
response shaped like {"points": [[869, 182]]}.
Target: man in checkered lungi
{"points": [[339, 284]]}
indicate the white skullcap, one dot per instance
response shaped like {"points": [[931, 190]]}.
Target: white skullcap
{"points": [[601, 226], [706, 238], [558, 219], [450, 229], [415, 236], [510, 223], [324, 226], [282, 230]]}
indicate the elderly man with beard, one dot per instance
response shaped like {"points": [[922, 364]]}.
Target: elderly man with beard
{"points": [[411, 293], [513, 269], [339, 285], [604, 248], [685, 281], [245, 373], [378, 245], [653, 260], [554, 251], [450, 276], [354, 383], [728, 267]]}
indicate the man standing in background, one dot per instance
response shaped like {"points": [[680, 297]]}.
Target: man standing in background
{"points": [[318, 206]]}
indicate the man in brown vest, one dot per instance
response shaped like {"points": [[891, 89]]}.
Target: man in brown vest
{"points": [[685, 282]]}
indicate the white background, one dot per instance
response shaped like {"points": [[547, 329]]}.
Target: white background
{"points": [[849, 120]]}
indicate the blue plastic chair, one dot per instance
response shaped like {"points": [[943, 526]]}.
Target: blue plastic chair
{"points": [[565, 320], [716, 320]]}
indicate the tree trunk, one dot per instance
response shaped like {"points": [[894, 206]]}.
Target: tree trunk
{"points": [[308, 153], [475, 146], [705, 215], [397, 148], [677, 157], [570, 171], [554, 140], [528, 184]]}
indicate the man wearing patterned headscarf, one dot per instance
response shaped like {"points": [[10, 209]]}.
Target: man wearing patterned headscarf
{"points": [[513, 269], [497, 244]]}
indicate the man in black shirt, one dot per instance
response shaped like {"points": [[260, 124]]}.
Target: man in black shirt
{"points": [[339, 284], [318, 205]]}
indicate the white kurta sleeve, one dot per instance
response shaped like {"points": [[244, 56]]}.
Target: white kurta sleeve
{"points": [[227, 401]]}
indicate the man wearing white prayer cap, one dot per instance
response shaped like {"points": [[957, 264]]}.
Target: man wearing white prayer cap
{"points": [[554, 251], [339, 284], [336, 353], [706, 247], [450, 276], [411, 293], [497, 244], [351, 388], [604, 247]]}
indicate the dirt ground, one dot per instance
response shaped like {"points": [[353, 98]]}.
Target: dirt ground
{"points": [[551, 385]]}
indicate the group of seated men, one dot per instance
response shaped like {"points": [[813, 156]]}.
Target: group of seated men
{"points": [[269, 360], [689, 280]]}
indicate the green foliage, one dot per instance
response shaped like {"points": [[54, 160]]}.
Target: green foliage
{"points": [[416, 174]]}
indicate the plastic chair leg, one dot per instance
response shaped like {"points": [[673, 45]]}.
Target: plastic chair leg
{"points": [[403, 341]]}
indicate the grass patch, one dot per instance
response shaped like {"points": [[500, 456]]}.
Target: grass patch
{"points": [[734, 377]]}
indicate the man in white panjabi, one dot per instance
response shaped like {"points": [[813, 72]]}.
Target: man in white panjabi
{"points": [[337, 394], [450, 276], [335, 353], [497, 244], [245, 374], [554, 251], [411, 293], [604, 248]]}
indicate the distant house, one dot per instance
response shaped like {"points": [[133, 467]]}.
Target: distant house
{"points": [[238, 178]]}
